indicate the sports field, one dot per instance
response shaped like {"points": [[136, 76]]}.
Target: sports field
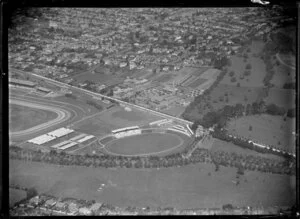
{"points": [[272, 130], [144, 144], [23, 117], [192, 186]]}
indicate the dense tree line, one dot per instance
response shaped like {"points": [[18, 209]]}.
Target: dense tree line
{"points": [[199, 155]]}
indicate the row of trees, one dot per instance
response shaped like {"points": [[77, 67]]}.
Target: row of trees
{"points": [[199, 155]]}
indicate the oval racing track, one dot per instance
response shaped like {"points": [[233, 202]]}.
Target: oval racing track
{"points": [[106, 148], [62, 116]]}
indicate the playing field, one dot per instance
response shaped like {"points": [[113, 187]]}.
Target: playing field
{"points": [[150, 143], [23, 117], [193, 186], [267, 129]]}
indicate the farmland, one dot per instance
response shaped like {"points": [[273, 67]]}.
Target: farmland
{"points": [[191, 186], [22, 117], [272, 130]]}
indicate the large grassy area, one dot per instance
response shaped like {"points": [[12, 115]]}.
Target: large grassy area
{"points": [[115, 118], [192, 186], [23, 117], [272, 130], [238, 66], [144, 144], [285, 98]]}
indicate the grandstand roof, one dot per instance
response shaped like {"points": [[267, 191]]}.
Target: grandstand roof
{"points": [[60, 132], [42, 139]]}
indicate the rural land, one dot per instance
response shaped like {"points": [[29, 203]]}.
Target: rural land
{"points": [[152, 111]]}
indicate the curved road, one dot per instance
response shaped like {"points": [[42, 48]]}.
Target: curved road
{"points": [[62, 115]]}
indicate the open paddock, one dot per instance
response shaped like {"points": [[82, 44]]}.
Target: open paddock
{"points": [[115, 118], [282, 97], [267, 129]]}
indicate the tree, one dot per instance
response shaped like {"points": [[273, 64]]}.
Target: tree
{"points": [[248, 66]]}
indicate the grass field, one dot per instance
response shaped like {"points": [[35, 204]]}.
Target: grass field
{"points": [[187, 187], [114, 118], [282, 97], [144, 144], [16, 195], [236, 95], [283, 74], [22, 117], [272, 130], [258, 71]]}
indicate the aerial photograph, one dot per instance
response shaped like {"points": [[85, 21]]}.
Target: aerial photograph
{"points": [[152, 111]]}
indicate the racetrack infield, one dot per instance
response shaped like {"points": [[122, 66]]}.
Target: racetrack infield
{"points": [[186, 187], [23, 117], [150, 143]]}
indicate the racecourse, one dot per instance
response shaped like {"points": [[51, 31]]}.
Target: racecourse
{"points": [[62, 115], [66, 113]]}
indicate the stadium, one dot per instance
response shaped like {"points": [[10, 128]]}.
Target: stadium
{"points": [[156, 138]]}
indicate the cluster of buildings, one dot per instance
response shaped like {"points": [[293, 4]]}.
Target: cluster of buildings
{"points": [[62, 139], [129, 38], [48, 205], [142, 43]]}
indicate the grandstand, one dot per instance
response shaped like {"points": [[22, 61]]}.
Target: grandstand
{"points": [[178, 130], [128, 133], [124, 129], [60, 132], [42, 139]]}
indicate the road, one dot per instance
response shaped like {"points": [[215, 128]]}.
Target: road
{"points": [[107, 97]]}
